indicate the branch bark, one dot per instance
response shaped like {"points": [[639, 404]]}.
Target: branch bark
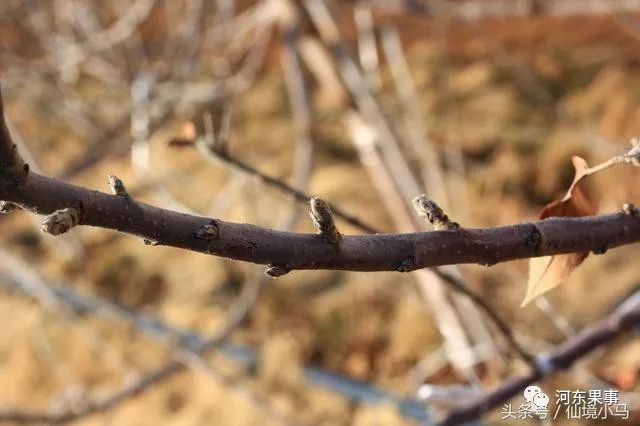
{"points": [[12, 169], [379, 252]]}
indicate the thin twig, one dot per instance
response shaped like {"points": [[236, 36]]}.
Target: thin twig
{"points": [[560, 358], [299, 195], [188, 346], [500, 324], [448, 323]]}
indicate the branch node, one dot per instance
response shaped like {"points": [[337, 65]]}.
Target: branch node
{"points": [[633, 155], [600, 250], [544, 364], [61, 220], [17, 170], [275, 271], [407, 265], [208, 231], [117, 186], [631, 210], [535, 238], [322, 217], [6, 207], [427, 208]]}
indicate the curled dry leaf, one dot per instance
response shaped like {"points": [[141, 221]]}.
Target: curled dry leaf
{"points": [[546, 273], [187, 136]]}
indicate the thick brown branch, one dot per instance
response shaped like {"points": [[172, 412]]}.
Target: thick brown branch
{"points": [[562, 357], [379, 252], [12, 168]]}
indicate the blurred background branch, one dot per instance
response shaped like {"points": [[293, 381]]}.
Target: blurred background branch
{"points": [[478, 103]]}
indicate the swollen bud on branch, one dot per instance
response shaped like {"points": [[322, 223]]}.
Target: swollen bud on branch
{"points": [[7, 207], [117, 186], [631, 210], [427, 208], [633, 155], [322, 217], [275, 271], [61, 221]]}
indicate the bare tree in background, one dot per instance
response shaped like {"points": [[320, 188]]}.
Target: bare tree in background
{"points": [[118, 76]]}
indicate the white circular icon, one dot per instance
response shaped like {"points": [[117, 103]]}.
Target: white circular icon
{"points": [[530, 392], [541, 400]]}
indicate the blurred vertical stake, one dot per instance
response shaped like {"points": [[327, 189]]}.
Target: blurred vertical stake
{"points": [[367, 49], [299, 98], [388, 166], [140, 152], [414, 126]]}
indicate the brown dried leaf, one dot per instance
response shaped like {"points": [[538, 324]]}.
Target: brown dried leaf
{"points": [[187, 137], [179, 142], [546, 273]]}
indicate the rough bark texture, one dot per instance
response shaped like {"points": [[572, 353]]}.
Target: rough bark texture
{"points": [[378, 252]]}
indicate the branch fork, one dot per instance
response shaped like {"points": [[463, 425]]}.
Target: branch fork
{"points": [[13, 169]]}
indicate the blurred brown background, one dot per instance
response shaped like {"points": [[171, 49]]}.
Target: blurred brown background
{"points": [[502, 100]]}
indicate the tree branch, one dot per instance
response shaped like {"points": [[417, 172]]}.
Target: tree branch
{"points": [[562, 357], [12, 169], [92, 407], [297, 194], [379, 252], [500, 324], [276, 271], [188, 346]]}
